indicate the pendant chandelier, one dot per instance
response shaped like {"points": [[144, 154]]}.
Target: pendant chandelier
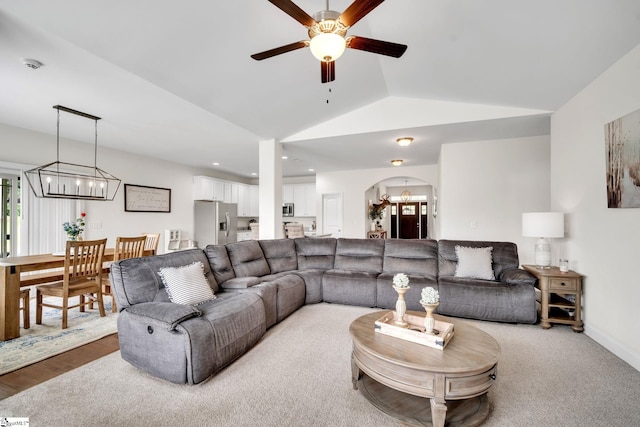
{"points": [[60, 180], [406, 194]]}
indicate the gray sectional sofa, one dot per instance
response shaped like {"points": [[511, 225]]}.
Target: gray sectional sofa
{"points": [[259, 283]]}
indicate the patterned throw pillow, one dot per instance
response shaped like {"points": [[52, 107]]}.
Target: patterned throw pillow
{"points": [[475, 263], [187, 284]]}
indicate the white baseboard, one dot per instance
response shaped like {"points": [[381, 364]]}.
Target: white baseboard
{"points": [[620, 350]]}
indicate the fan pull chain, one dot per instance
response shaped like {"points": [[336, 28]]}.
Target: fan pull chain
{"points": [[328, 95]]}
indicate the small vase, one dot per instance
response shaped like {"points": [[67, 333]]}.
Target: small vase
{"points": [[401, 307], [373, 226], [72, 238], [429, 320]]}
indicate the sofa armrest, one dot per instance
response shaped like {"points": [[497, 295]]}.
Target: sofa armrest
{"points": [[517, 276], [167, 313]]}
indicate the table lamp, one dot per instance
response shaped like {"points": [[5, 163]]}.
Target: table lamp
{"points": [[543, 225]]}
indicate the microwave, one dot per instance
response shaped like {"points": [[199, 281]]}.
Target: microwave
{"points": [[287, 209]]}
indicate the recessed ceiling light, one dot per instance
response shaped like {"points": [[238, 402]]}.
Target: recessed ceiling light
{"points": [[396, 162], [285, 157], [216, 164], [254, 174], [311, 170], [34, 64], [404, 141]]}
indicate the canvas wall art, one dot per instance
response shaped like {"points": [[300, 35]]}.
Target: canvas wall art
{"points": [[622, 143]]}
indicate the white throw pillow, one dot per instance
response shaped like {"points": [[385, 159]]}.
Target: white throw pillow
{"points": [[187, 284], [475, 263]]}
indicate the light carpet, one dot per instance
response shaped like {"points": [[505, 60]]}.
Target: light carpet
{"points": [[42, 341], [299, 374]]}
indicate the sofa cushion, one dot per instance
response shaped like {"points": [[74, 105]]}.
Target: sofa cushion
{"points": [[487, 300], [187, 284], [411, 257], [362, 255], [220, 263], [247, 258], [290, 295], [317, 254], [474, 263], [349, 287], [136, 280], [242, 282], [312, 283], [280, 254], [505, 255]]}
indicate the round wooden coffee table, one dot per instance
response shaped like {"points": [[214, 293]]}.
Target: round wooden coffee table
{"points": [[398, 376]]}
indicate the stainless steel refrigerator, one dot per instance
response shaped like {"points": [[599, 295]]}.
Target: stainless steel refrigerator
{"points": [[215, 223]]}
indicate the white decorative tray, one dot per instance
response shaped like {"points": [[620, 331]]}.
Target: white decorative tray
{"points": [[415, 332]]}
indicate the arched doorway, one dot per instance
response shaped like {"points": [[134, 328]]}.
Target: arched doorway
{"points": [[408, 210]]}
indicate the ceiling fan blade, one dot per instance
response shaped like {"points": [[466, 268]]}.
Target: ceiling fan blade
{"points": [[279, 50], [328, 70], [291, 9], [376, 46], [358, 10]]}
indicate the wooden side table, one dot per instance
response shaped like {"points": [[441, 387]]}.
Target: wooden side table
{"points": [[561, 296]]}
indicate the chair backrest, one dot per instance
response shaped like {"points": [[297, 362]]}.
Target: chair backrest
{"points": [[151, 243], [294, 230], [83, 260], [255, 230], [129, 247]]}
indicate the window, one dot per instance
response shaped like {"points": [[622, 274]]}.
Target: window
{"points": [[10, 219]]}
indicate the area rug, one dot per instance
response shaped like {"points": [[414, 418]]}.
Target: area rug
{"points": [[48, 339], [299, 374]]}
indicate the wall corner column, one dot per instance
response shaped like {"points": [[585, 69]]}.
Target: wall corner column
{"points": [[270, 189]]}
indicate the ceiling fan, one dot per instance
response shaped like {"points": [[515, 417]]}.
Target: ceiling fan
{"points": [[327, 33]]}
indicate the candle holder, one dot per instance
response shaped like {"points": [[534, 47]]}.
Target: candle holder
{"points": [[429, 320], [401, 307]]}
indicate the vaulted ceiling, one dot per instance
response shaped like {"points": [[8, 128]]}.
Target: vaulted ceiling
{"points": [[175, 80]]}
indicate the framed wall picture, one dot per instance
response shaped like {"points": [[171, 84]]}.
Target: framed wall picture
{"points": [[622, 143], [140, 198]]}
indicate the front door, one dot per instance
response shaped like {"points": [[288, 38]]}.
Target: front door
{"points": [[409, 220]]}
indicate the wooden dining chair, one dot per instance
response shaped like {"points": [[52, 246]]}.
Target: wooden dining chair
{"points": [[151, 243], [255, 230], [82, 278], [294, 231], [126, 247]]}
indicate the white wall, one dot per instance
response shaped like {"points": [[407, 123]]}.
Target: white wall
{"points": [[485, 187], [33, 148], [602, 243], [353, 185]]}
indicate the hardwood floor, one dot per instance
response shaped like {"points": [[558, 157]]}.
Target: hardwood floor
{"points": [[29, 376]]}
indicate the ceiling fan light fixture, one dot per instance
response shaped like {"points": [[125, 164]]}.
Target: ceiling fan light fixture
{"points": [[327, 47], [396, 162], [404, 141]]}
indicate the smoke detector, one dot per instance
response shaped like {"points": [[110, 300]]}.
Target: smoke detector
{"points": [[32, 63]]}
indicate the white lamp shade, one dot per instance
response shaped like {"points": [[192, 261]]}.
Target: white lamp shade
{"points": [[543, 224], [327, 46]]}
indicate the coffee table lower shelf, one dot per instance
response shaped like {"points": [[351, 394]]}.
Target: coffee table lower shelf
{"points": [[413, 410]]}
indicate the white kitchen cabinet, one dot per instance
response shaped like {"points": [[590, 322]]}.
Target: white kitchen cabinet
{"points": [[310, 199], [244, 235], [287, 193], [254, 200], [304, 200], [206, 188]]}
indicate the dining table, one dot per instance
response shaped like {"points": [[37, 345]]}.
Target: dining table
{"points": [[10, 283]]}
